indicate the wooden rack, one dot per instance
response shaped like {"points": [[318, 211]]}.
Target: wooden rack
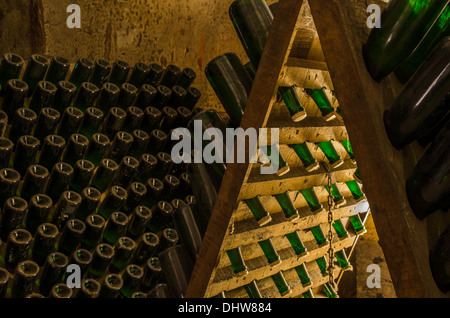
{"points": [[315, 44]]}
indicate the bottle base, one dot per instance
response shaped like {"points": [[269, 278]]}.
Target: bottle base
{"points": [[299, 116]]}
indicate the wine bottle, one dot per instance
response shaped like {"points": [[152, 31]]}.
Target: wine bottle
{"points": [[114, 121], [60, 177], [13, 214], [57, 69], [9, 183], [22, 123], [44, 242], [100, 74], [252, 290], [39, 208], [439, 258], [83, 170], [338, 198], [6, 150], [26, 151], [107, 97], [308, 294], [286, 204], [71, 235], [120, 146], [404, 25], [322, 262], [104, 174], [35, 70], [411, 114], [277, 162], [145, 96], [252, 21], [101, 258], [357, 224], [303, 274], [97, 148], [11, 66], [139, 74], [134, 119], [188, 228], [441, 115], [14, 97], [90, 200], [322, 102], [356, 191], [95, 224], [292, 102], [70, 122], [46, 123], [348, 147], [162, 217], [139, 220], [90, 288], [319, 236], [342, 260], [136, 194], [25, 277], [152, 274], [127, 95], [83, 258], [259, 212], [146, 247], [152, 119], [140, 143], [86, 96], [281, 284], [116, 227], [17, 247], [155, 188], [427, 188], [329, 150], [82, 72], [171, 75], [127, 170], [119, 72], [312, 200], [123, 251], [52, 272], [110, 287], [155, 74], [113, 201], [64, 96], [329, 291], [193, 96], [132, 277], [75, 148], [297, 244], [340, 229], [51, 151], [61, 290], [270, 252], [66, 208], [309, 162], [237, 261], [231, 83], [43, 96], [92, 119]]}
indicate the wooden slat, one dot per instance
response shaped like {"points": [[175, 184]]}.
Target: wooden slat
{"points": [[405, 239]]}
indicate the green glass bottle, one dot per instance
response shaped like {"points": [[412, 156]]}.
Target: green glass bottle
{"points": [[342, 259], [323, 103], [101, 258], [357, 224], [439, 30], [278, 162], [340, 229], [319, 236], [356, 191], [252, 20], [270, 252], [231, 83], [237, 262], [309, 162], [292, 102], [404, 24], [302, 273], [261, 215], [322, 262], [308, 294], [297, 244], [252, 290], [329, 291], [331, 154], [338, 198], [281, 284], [348, 147], [289, 210], [357, 176], [313, 201]]}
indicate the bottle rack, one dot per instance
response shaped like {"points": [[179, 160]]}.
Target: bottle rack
{"points": [[292, 56]]}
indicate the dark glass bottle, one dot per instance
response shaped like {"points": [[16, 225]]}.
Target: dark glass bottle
{"points": [[252, 21], [61, 290], [411, 114], [177, 97], [119, 72], [162, 98], [231, 83], [44, 242], [9, 183], [132, 277], [95, 224], [139, 74], [237, 261], [189, 230], [158, 141], [193, 95], [342, 260], [70, 122], [107, 97], [11, 66], [404, 24], [90, 200], [134, 119], [286, 204], [136, 193], [51, 151], [329, 291], [66, 208], [162, 217], [75, 148], [292, 102], [127, 95], [323, 103], [83, 170], [340, 229], [338, 198], [171, 75], [152, 274], [428, 186], [114, 121], [17, 247], [357, 224], [86, 96], [333, 157], [101, 258], [100, 74], [98, 147], [25, 277], [64, 96], [442, 115], [156, 71], [356, 191], [57, 70], [3, 123], [82, 72], [26, 151], [123, 252], [43, 96], [127, 170], [4, 281], [140, 143], [114, 200], [93, 117], [22, 123], [83, 258], [277, 162], [60, 177], [39, 208], [35, 70], [104, 174], [155, 188], [115, 227], [71, 235], [348, 147], [322, 262], [186, 78], [90, 288], [6, 150], [145, 96], [52, 272], [14, 97], [146, 247], [152, 119], [46, 123], [147, 164], [110, 287], [13, 215], [319, 236], [439, 259], [139, 220]]}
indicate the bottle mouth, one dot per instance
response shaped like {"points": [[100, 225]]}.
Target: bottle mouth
{"points": [[72, 197], [90, 286], [61, 60], [47, 86], [6, 143], [142, 67], [57, 259], [56, 140], [105, 250], [155, 184], [135, 111], [164, 90], [10, 175], [64, 168], [190, 199], [118, 112], [38, 171], [76, 226], [177, 203], [109, 163], [101, 138], [82, 256], [18, 84], [170, 111], [129, 88], [50, 112], [143, 211], [159, 134], [150, 239], [13, 58], [126, 243], [119, 192], [156, 67], [86, 62], [84, 164], [130, 162], [79, 139], [189, 72], [103, 63], [124, 136], [20, 236], [179, 90], [92, 88], [40, 59], [110, 87], [114, 281], [172, 180], [171, 235], [154, 264], [134, 271], [95, 220], [41, 201], [148, 88], [138, 188], [140, 134], [165, 207], [95, 112], [184, 111], [152, 112], [26, 113], [164, 157], [149, 159], [74, 112], [92, 193], [16, 204], [48, 230], [61, 290], [4, 276], [194, 91], [173, 68], [67, 86], [119, 218], [28, 268], [122, 64]]}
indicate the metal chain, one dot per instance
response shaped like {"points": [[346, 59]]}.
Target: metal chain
{"points": [[330, 228]]}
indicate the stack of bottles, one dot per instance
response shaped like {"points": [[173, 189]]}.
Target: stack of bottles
{"points": [[92, 204], [414, 44]]}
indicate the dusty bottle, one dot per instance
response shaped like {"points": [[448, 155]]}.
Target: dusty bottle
{"points": [[101, 258], [6, 150], [312, 200], [115, 228], [280, 282], [270, 252], [14, 96], [119, 72], [17, 247], [52, 272], [113, 201], [47, 122], [43, 96], [71, 235], [25, 277], [82, 72], [22, 123], [44, 242], [100, 74], [51, 151], [35, 70], [95, 224], [13, 215], [57, 70], [123, 251], [39, 208], [11, 66]]}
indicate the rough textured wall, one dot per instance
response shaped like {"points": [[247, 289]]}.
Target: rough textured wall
{"points": [[185, 33]]}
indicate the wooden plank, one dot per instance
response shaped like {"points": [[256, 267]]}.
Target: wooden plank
{"points": [[257, 110], [404, 238]]}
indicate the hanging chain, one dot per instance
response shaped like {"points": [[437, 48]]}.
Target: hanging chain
{"points": [[330, 228]]}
